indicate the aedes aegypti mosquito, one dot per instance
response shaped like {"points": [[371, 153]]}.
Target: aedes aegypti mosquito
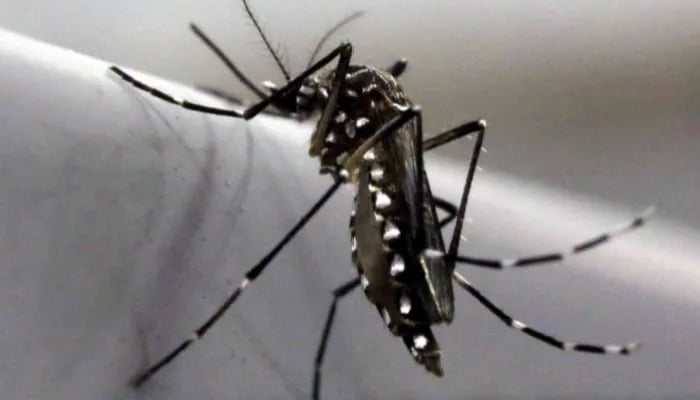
{"points": [[370, 134]]}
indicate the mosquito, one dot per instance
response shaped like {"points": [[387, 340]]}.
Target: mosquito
{"points": [[369, 134]]}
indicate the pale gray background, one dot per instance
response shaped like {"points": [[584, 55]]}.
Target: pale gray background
{"points": [[598, 99], [596, 96]]}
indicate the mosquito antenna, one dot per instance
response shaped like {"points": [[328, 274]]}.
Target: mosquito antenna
{"points": [[266, 41], [231, 66], [334, 29]]}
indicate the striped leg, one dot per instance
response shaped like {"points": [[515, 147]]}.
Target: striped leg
{"points": [[451, 210], [586, 245], [338, 293], [250, 276], [539, 335], [344, 52]]}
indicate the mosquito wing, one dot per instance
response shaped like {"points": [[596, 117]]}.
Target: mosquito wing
{"points": [[435, 285]]}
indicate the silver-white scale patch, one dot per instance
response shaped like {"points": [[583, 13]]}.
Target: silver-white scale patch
{"points": [[341, 158], [508, 262], [369, 88], [420, 341], [382, 201], [377, 173], [340, 118], [350, 129], [391, 232], [404, 305], [401, 107], [433, 253], [362, 121], [331, 138], [364, 281], [613, 349], [397, 265], [307, 90], [385, 315], [517, 325]]}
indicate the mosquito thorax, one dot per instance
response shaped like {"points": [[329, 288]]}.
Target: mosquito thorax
{"points": [[369, 98]]}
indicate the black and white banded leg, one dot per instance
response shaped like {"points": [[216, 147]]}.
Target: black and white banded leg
{"points": [[250, 276], [544, 258], [480, 128], [527, 261], [539, 335], [338, 293], [344, 52]]}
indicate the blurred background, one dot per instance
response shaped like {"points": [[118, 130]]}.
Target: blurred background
{"points": [[597, 97], [597, 100]]}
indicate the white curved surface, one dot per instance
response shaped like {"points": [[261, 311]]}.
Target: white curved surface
{"points": [[125, 221]]}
